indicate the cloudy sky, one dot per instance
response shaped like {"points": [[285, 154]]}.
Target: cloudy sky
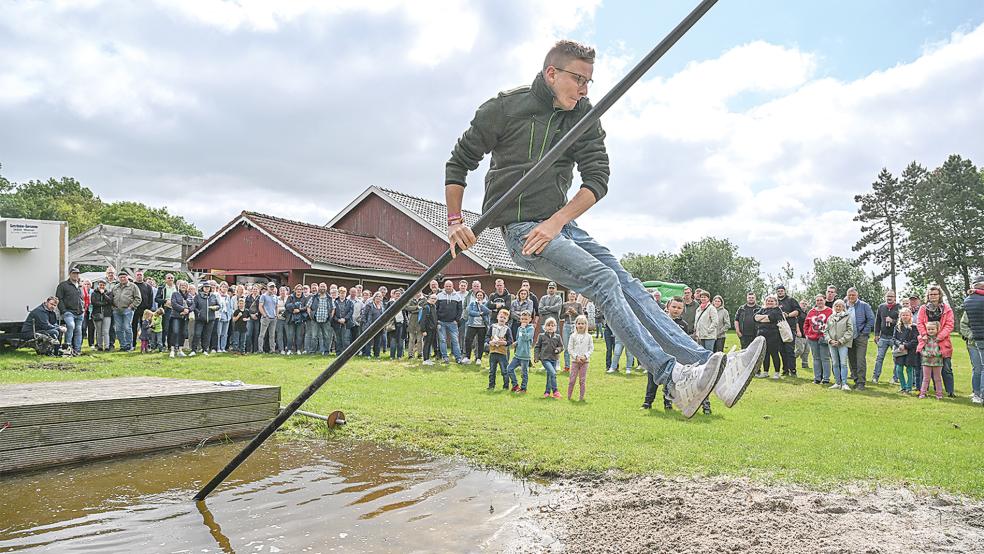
{"points": [[760, 125]]}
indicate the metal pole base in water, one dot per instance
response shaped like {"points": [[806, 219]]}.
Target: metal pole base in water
{"points": [[534, 173]]}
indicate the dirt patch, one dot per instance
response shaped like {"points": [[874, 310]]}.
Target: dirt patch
{"points": [[654, 514], [56, 366]]}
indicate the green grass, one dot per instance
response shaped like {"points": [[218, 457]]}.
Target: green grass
{"points": [[790, 430]]}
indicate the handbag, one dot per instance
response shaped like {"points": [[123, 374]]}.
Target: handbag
{"points": [[785, 332]]}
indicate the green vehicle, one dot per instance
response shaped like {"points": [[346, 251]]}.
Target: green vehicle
{"points": [[667, 290]]}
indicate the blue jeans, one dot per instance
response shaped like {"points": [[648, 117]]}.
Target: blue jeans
{"points": [[821, 360], [501, 361], [223, 334], [239, 341], [708, 344], [566, 337], [341, 338], [122, 321], [906, 374], [576, 261], [838, 363], [294, 335], [396, 341], [442, 341], [524, 365], [73, 331], [325, 335], [884, 344], [617, 354], [551, 367], [976, 350]]}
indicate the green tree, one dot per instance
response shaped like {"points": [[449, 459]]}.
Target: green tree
{"points": [[65, 199], [784, 278], [139, 216], [944, 219], [716, 266], [843, 274], [649, 267], [880, 214]]}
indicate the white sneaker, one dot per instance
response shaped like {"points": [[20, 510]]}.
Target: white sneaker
{"points": [[611, 370], [181, 354], [628, 371], [835, 386], [775, 376], [428, 362], [977, 400], [478, 362], [845, 386], [691, 384], [739, 367], [205, 352], [171, 355], [191, 354]]}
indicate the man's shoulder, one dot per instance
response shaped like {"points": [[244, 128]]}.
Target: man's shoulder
{"points": [[522, 89]]}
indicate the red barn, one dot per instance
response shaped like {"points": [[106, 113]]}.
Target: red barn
{"points": [[381, 237], [260, 248]]}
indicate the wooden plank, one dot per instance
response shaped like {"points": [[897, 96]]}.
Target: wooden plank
{"points": [[27, 458], [67, 411], [52, 392], [33, 436]]}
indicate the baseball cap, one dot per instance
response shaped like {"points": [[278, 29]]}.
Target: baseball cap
{"points": [[551, 284]]}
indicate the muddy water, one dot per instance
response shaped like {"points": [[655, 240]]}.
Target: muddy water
{"points": [[290, 496]]}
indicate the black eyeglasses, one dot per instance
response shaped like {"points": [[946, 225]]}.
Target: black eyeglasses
{"points": [[581, 79]]}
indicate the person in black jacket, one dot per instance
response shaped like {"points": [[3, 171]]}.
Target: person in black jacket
{"points": [[905, 340], [69, 294], [44, 319], [767, 320], [206, 306], [428, 327], [102, 314], [745, 325], [146, 302]]}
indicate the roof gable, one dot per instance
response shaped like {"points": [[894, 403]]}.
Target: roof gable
{"points": [[491, 247]]}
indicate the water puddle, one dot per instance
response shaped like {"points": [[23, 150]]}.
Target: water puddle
{"points": [[290, 496]]}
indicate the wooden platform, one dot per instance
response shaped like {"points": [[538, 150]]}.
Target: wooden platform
{"points": [[69, 421]]}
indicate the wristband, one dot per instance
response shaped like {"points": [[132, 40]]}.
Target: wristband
{"points": [[452, 220]]}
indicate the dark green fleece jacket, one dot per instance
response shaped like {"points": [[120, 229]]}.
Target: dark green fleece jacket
{"points": [[518, 127]]}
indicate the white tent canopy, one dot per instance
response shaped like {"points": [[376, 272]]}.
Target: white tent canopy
{"points": [[132, 249]]}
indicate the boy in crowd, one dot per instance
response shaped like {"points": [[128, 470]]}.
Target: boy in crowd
{"points": [[500, 339], [674, 309], [524, 349]]}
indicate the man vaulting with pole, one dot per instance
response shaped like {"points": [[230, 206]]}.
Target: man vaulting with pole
{"points": [[517, 127]]}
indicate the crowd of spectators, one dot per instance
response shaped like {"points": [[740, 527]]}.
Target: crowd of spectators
{"points": [[446, 323]]}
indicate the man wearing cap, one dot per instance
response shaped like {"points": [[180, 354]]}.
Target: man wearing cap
{"points": [[974, 311], [69, 294], [206, 309], [126, 298], [550, 304]]}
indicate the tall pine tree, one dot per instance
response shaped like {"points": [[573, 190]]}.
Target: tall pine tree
{"points": [[880, 214]]}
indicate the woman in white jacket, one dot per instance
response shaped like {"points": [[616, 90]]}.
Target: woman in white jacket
{"points": [[724, 323], [706, 322]]}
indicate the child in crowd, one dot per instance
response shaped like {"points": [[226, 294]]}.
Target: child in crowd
{"points": [[157, 331], [932, 361], [145, 324], [548, 346], [428, 327], [239, 319], [905, 341], [524, 346], [500, 338], [579, 346]]}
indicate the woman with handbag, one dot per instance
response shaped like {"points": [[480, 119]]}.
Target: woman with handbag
{"points": [[768, 320]]}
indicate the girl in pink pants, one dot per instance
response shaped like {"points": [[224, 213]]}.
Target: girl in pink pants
{"points": [[579, 346]]}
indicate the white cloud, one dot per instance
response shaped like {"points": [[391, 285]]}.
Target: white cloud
{"points": [[271, 102]]}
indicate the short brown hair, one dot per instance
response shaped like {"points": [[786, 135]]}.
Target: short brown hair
{"points": [[565, 51]]}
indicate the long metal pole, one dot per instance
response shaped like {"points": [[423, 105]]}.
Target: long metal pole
{"points": [[534, 173]]}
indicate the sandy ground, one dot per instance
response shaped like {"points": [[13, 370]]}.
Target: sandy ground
{"points": [[653, 514]]}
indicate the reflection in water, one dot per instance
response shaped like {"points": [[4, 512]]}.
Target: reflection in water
{"points": [[213, 528], [289, 496]]}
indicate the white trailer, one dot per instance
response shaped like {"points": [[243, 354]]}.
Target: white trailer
{"points": [[33, 260]]}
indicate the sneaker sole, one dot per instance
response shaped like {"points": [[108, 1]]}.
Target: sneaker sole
{"points": [[697, 405], [751, 375]]}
